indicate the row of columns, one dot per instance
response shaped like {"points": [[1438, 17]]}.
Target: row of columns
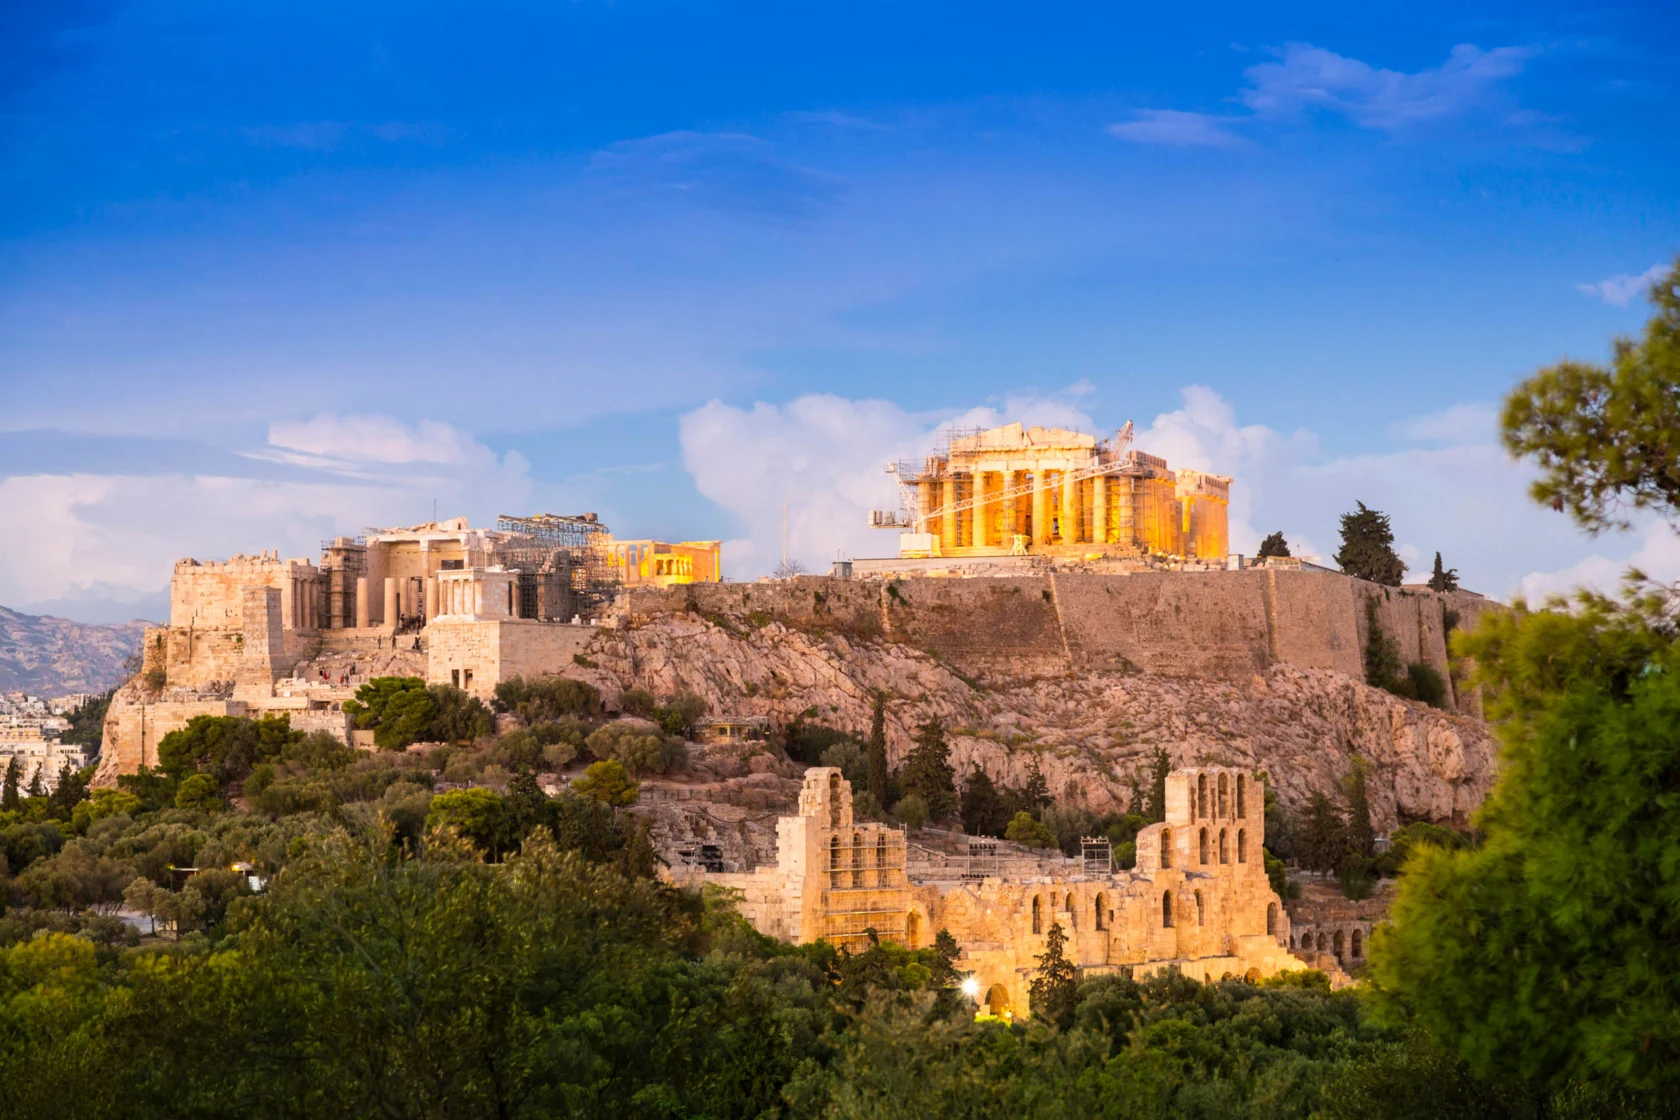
{"points": [[303, 612], [1055, 506]]}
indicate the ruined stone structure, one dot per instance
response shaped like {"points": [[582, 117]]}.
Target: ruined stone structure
{"points": [[1198, 900], [657, 564], [1018, 491]]}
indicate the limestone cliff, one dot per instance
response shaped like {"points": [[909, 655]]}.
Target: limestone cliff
{"points": [[1092, 730]]}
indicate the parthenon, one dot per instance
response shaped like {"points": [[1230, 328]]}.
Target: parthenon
{"points": [[1017, 491]]}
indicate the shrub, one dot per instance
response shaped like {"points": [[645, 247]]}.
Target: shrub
{"points": [[197, 791], [638, 702], [608, 783], [541, 699], [640, 746], [1026, 829]]}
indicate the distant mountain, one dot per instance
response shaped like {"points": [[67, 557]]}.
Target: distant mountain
{"points": [[52, 656]]}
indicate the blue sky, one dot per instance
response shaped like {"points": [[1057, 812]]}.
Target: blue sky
{"points": [[273, 272]]}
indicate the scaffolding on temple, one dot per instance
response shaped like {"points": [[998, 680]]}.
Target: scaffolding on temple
{"points": [[564, 563]]}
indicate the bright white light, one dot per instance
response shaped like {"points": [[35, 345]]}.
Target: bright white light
{"points": [[971, 987]]}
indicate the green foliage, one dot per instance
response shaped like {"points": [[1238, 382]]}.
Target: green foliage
{"points": [[1273, 545], [638, 702], [1443, 579], [456, 717], [477, 815], [10, 795], [197, 791], [911, 811], [681, 716], [609, 783], [1368, 547], [1603, 437], [984, 811], [1026, 829], [927, 771], [548, 698], [641, 747], [224, 747], [1551, 951], [876, 759], [1361, 834], [1382, 652], [1155, 804], [1054, 987], [1276, 874], [852, 759], [1409, 838], [1324, 836], [807, 742], [87, 722]]}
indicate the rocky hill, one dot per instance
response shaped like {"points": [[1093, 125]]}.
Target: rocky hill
{"points": [[1092, 731], [51, 656]]}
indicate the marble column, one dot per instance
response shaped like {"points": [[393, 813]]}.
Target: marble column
{"points": [[431, 597], [1070, 508], [1041, 507], [389, 618], [948, 522], [925, 502], [1011, 511], [363, 607], [1099, 509]]}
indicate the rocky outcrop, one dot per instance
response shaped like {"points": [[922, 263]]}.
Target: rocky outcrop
{"points": [[1092, 732], [51, 656]]}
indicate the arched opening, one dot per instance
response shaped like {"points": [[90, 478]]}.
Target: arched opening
{"points": [[1166, 910], [1242, 807], [1242, 845], [857, 860], [1073, 915], [1271, 922], [1201, 795], [1102, 911], [1321, 941], [1252, 976], [880, 859], [834, 801], [1166, 849], [1336, 944], [1356, 945], [1224, 849], [1202, 843], [913, 930], [1224, 808], [834, 860], [997, 1002], [1038, 914], [1201, 916]]}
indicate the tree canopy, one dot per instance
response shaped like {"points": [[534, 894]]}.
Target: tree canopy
{"points": [[1273, 545], [1368, 547]]}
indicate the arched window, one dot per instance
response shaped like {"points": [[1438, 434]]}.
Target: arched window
{"points": [[880, 859], [913, 930], [834, 801], [1073, 915], [1166, 910], [1038, 914], [1166, 849], [1200, 912], [834, 858], [1242, 808], [1337, 942], [1102, 911], [1202, 843], [857, 860], [1271, 922], [1201, 795], [1223, 804], [1242, 846], [1356, 944], [1321, 941], [1224, 850]]}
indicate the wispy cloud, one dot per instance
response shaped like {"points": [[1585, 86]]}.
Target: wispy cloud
{"points": [[1619, 290], [1176, 128], [1308, 77], [722, 170]]}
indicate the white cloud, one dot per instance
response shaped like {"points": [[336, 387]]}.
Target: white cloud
{"points": [[1309, 77], [1657, 555], [1177, 129], [1469, 422], [128, 530], [1619, 290]]}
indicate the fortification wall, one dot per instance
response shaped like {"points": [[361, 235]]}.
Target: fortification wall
{"points": [[474, 655], [134, 727]]}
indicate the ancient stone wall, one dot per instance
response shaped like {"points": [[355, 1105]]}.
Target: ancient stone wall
{"points": [[475, 654], [135, 725]]}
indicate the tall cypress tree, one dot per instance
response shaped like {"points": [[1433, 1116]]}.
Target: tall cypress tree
{"points": [[877, 759], [37, 787], [1054, 986], [1361, 834], [1443, 579], [9, 792], [1324, 839], [927, 772], [1368, 547], [1155, 804]]}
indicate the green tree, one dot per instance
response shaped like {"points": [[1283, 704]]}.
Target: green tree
{"points": [[1054, 987], [545, 699], [1324, 837], [1383, 668], [878, 774], [1155, 800], [1368, 547], [1604, 436], [37, 786], [142, 896], [1443, 579], [640, 746], [1036, 795], [477, 815], [983, 810], [1551, 952], [681, 716], [1024, 828], [1273, 545], [9, 797], [197, 791], [1361, 834], [609, 783], [927, 771], [224, 747], [456, 717]]}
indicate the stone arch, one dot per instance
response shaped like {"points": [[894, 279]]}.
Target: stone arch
{"points": [[1073, 915], [913, 930], [1224, 848], [1203, 845], [1271, 922], [1224, 802], [1356, 945], [1200, 912], [1201, 795], [1242, 845], [834, 801], [857, 860], [1038, 914], [1102, 911], [1242, 802], [834, 858], [1321, 941], [1252, 976], [997, 1002], [1336, 944], [1166, 849], [1166, 910]]}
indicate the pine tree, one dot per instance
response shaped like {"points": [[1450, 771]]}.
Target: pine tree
{"points": [[37, 787], [1055, 985], [928, 774], [1368, 547], [983, 810], [1273, 545], [1324, 839], [9, 792], [1155, 806], [1037, 794], [1361, 834], [877, 760], [1443, 579]]}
